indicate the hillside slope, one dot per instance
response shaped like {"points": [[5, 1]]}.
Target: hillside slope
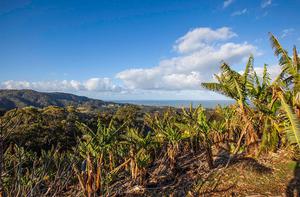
{"points": [[10, 99]]}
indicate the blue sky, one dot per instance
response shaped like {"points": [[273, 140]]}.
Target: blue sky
{"points": [[137, 49]]}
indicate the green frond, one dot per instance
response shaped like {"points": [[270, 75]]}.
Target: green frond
{"points": [[266, 77], [248, 69], [219, 88], [216, 87], [293, 131], [279, 51], [240, 91], [297, 72], [296, 60], [228, 73]]}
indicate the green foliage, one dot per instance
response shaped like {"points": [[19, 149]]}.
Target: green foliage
{"points": [[165, 127], [36, 129], [27, 174], [292, 123], [103, 140], [128, 114]]}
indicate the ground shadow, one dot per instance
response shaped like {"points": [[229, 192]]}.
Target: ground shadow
{"points": [[293, 188], [225, 159]]}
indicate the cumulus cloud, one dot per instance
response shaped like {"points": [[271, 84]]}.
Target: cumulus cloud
{"points": [[239, 12], [266, 3], [201, 38], [226, 3], [199, 54], [156, 79], [100, 84], [93, 84]]}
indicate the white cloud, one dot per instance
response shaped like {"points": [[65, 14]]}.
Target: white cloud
{"points": [[266, 3], [239, 12], [286, 32], [226, 3], [201, 38], [93, 84], [101, 84], [199, 54], [156, 79]]}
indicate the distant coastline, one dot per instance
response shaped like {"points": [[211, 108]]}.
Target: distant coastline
{"points": [[177, 103]]}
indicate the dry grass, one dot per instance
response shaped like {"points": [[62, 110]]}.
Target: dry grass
{"points": [[268, 175]]}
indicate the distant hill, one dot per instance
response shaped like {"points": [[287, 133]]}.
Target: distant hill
{"points": [[10, 99]]}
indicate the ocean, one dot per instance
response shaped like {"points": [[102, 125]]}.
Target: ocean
{"points": [[178, 103]]}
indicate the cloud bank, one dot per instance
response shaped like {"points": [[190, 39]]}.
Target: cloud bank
{"points": [[199, 53], [93, 84]]}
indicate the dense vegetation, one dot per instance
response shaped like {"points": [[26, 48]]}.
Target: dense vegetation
{"points": [[62, 152]]}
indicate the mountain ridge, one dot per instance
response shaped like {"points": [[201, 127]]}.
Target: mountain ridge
{"points": [[11, 98]]}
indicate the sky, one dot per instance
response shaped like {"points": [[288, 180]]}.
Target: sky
{"points": [[138, 49]]}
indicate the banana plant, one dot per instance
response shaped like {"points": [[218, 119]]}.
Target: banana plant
{"points": [[290, 72], [291, 122], [167, 133], [197, 126], [261, 95], [141, 148], [99, 149], [236, 86], [287, 86], [189, 117], [225, 126]]}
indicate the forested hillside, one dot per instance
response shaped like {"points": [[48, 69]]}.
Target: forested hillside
{"points": [[10, 99]]}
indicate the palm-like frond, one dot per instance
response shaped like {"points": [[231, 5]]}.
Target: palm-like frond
{"points": [[248, 70], [241, 94], [290, 66], [228, 73], [296, 76], [293, 131], [219, 88], [266, 77], [296, 59], [250, 78], [279, 51], [229, 81]]}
